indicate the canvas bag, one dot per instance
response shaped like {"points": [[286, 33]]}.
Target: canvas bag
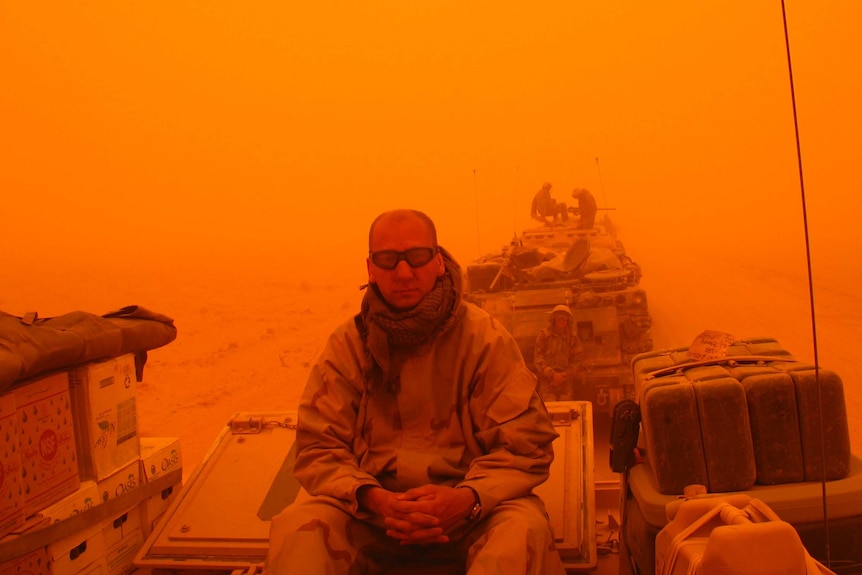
{"points": [[30, 345], [731, 535]]}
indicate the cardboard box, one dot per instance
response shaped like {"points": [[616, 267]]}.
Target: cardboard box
{"points": [[107, 418], [80, 552], [154, 507], [84, 499], [97, 568], [11, 481], [31, 523], [36, 562], [46, 439], [123, 538], [159, 455], [120, 482]]}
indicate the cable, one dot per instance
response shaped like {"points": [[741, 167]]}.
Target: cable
{"points": [[810, 287]]}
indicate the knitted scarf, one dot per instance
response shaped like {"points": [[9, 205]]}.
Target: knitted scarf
{"points": [[391, 334]]}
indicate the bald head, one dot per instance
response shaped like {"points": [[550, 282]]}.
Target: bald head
{"points": [[400, 216]]}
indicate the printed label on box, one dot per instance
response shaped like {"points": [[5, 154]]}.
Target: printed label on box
{"points": [[159, 455], [104, 397], [47, 441], [82, 500], [121, 482]]}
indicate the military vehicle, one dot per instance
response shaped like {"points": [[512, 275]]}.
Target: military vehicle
{"points": [[586, 269]]}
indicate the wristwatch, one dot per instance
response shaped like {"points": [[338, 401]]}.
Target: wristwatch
{"points": [[476, 510]]}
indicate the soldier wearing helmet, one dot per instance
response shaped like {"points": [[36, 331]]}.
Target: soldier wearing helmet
{"points": [[544, 206], [557, 357], [586, 209]]}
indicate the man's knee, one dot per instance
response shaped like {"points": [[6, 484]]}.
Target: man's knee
{"points": [[307, 507], [517, 532], [309, 532], [526, 514]]}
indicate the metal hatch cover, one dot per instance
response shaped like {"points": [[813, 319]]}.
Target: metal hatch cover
{"points": [[569, 493], [220, 520]]}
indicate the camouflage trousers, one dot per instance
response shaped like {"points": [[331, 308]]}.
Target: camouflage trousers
{"points": [[573, 388], [315, 535], [565, 391]]}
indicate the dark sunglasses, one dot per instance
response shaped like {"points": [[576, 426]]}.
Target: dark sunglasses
{"points": [[415, 257]]}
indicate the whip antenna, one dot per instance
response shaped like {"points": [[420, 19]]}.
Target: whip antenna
{"points": [[810, 284], [476, 195], [515, 205]]}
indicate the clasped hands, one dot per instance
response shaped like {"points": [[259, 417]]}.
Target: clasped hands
{"points": [[419, 516]]}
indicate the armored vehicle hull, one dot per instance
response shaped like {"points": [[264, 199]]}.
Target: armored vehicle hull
{"points": [[587, 270]]}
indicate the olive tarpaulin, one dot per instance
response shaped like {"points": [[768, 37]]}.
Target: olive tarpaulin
{"points": [[31, 346]]}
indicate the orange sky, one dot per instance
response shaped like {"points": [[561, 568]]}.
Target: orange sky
{"points": [[170, 132]]}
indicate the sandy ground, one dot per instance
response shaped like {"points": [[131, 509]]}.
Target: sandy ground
{"points": [[232, 354], [247, 335], [243, 349]]}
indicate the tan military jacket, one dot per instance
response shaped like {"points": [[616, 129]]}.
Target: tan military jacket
{"points": [[467, 414], [555, 352]]}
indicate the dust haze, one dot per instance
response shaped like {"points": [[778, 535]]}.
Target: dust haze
{"points": [[220, 162]]}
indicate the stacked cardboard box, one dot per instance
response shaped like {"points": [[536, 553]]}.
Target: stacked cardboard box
{"points": [[79, 553], [69, 443], [46, 440], [83, 499], [104, 395], [36, 562], [159, 455], [11, 480], [122, 537]]}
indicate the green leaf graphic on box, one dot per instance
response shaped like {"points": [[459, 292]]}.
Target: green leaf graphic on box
{"points": [[105, 427]]}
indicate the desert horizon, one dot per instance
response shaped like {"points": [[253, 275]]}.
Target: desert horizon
{"points": [[220, 163], [247, 335]]}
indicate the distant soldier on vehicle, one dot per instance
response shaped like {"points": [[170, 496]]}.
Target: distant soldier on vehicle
{"points": [[544, 206], [586, 209], [557, 357]]}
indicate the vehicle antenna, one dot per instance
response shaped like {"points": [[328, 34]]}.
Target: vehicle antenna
{"points": [[515, 205], [476, 195], [810, 283]]}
